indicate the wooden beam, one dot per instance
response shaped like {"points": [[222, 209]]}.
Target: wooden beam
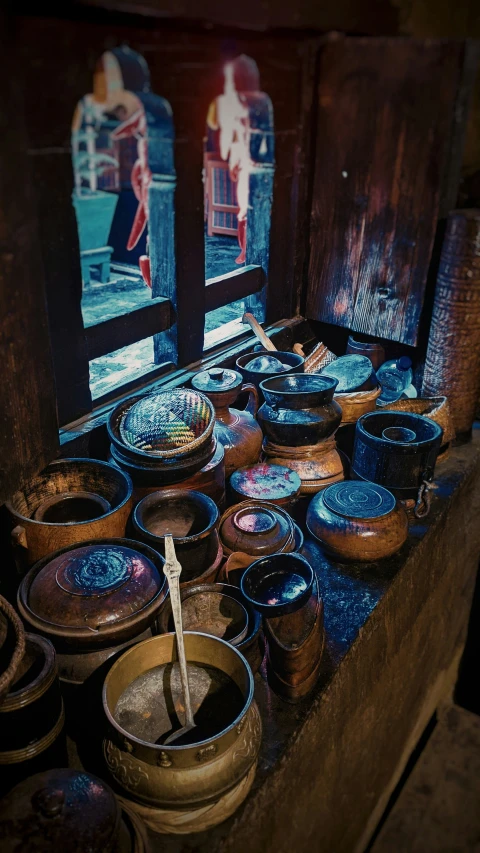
{"points": [[126, 329], [234, 285]]}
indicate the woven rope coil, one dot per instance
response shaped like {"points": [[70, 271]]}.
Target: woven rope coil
{"points": [[12, 618]]}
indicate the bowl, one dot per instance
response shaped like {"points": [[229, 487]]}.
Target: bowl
{"points": [[278, 584], [191, 517], [293, 361]]}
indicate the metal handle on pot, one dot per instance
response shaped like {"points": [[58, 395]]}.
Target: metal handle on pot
{"points": [[253, 401]]}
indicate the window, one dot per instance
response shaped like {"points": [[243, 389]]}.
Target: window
{"points": [[122, 150], [238, 171]]}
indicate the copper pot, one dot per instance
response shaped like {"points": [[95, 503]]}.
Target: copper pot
{"points": [[187, 788], [256, 528], [98, 485]]}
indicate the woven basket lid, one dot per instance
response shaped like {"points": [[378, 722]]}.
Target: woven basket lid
{"points": [[169, 423]]}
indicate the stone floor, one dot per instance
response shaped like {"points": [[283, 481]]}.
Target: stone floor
{"points": [[438, 810], [125, 291]]}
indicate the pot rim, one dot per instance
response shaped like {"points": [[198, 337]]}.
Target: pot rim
{"points": [[261, 505], [172, 494], [325, 385], [434, 441], [66, 524], [107, 630], [171, 747], [297, 359]]}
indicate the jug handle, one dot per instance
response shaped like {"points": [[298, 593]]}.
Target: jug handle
{"points": [[253, 401]]}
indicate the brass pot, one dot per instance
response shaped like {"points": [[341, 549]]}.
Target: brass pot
{"points": [[189, 787], [105, 484]]}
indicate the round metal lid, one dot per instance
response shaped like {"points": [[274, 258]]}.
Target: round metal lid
{"points": [[168, 422], [93, 585], [358, 499], [217, 379], [59, 810], [266, 482], [352, 372]]}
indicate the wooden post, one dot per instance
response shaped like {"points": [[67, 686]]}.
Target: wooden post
{"points": [[162, 258], [258, 232]]}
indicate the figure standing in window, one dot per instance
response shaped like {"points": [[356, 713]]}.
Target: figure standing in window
{"points": [[244, 131]]}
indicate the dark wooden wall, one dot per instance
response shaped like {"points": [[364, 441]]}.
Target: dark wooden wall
{"points": [[28, 423], [385, 116]]}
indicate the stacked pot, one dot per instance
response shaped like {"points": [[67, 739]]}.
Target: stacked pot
{"points": [[299, 419]]}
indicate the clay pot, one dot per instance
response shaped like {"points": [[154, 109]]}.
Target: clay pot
{"points": [[32, 716], [257, 529], [401, 464], [295, 644], [169, 472], [190, 517], [358, 521], [92, 599], [210, 479], [187, 788], [371, 349], [317, 465], [275, 484], [202, 606], [237, 430], [71, 811], [49, 516], [299, 410], [294, 361], [435, 408]]}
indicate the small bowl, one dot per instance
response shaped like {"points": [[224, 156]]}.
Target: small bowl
{"points": [[191, 517], [294, 364], [279, 584]]}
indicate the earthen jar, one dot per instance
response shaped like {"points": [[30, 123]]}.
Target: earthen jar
{"points": [[358, 521], [237, 430], [371, 349], [103, 507], [299, 410], [257, 529]]}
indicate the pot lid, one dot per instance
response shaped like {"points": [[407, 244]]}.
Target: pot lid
{"points": [[266, 482], [255, 528], [352, 371], [94, 585], [59, 810], [359, 499], [217, 379], [168, 422]]}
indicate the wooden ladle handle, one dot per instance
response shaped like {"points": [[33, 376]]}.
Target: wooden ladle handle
{"points": [[258, 331]]}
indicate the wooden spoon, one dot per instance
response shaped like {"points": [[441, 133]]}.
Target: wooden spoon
{"points": [[258, 331], [172, 570]]}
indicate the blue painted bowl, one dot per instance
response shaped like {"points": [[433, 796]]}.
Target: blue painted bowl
{"points": [[278, 584]]}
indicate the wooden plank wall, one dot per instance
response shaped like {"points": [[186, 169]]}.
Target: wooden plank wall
{"points": [[385, 110], [28, 422]]}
